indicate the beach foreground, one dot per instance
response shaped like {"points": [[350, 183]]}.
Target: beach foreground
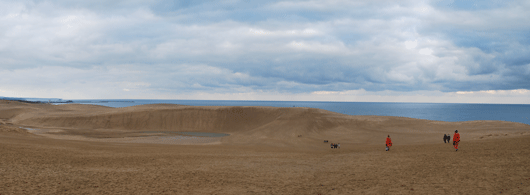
{"points": [[86, 149]]}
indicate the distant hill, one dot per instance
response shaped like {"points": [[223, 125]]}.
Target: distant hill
{"points": [[10, 98], [36, 100]]}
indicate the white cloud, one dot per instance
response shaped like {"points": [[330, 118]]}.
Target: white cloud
{"points": [[317, 47], [324, 92], [425, 51], [411, 44], [496, 92], [290, 32]]}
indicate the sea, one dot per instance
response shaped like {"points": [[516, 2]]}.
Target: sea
{"points": [[451, 112]]}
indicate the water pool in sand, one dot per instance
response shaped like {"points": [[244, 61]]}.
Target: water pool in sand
{"points": [[158, 137], [200, 134]]}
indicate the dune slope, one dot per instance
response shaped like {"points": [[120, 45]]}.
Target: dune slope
{"points": [[249, 125]]}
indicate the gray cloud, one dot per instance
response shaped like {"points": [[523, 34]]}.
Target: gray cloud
{"points": [[117, 48]]}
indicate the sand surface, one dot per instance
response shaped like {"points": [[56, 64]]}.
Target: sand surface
{"points": [[87, 149]]}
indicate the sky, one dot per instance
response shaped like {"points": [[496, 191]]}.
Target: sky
{"points": [[442, 51]]}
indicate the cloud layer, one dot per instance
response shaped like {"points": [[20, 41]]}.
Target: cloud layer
{"points": [[179, 49]]}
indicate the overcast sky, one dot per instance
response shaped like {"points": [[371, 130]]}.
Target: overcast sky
{"points": [[332, 50]]}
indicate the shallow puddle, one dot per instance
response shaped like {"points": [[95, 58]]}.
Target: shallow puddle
{"points": [[170, 137], [200, 134]]}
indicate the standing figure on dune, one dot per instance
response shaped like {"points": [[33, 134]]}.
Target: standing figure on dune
{"points": [[456, 139], [445, 138], [388, 143]]}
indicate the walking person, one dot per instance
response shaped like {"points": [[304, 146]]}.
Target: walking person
{"points": [[445, 138], [448, 138], [388, 143], [456, 139]]}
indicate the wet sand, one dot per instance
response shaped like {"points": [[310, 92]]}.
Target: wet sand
{"points": [[86, 152]]}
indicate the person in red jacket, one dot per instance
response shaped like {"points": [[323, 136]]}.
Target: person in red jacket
{"points": [[456, 139], [388, 143]]}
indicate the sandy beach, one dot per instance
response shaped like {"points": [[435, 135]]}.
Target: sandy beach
{"points": [[87, 149]]}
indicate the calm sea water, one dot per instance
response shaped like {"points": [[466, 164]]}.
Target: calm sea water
{"points": [[431, 111]]}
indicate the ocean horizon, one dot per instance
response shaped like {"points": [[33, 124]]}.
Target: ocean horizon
{"points": [[450, 112]]}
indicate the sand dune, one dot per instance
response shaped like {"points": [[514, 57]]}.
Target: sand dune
{"points": [[95, 149], [249, 125]]}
